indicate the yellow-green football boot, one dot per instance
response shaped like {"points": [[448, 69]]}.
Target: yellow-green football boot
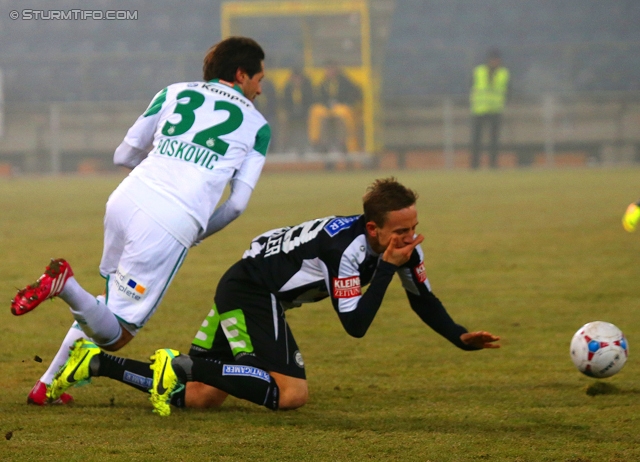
{"points": [[76, 370], [165, 381]]}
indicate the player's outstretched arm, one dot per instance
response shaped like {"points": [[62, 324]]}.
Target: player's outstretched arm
{"points": [[480, 339]]}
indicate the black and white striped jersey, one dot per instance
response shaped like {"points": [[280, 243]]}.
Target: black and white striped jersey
{"points": [[330, 257]]}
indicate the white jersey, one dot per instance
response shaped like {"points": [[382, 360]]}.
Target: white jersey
{"points": [[199, 136]]}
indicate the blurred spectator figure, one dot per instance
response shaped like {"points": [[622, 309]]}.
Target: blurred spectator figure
{"points": [[267, 104], [336, 98], [296, 102], [489, 89]]}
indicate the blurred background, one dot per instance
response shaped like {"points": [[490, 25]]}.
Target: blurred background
{"points": [[71, 87]]}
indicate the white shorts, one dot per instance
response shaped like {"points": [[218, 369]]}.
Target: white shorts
{"points": [[139, 260]]}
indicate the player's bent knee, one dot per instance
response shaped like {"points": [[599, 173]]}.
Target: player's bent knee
{"points": [[293, 391], [202, 396], [293, 397]]}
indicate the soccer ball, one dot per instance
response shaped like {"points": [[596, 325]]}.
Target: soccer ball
{"points": [[599, 349]]}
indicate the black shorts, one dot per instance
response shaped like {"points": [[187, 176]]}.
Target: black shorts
{"points": [[247, 325]]}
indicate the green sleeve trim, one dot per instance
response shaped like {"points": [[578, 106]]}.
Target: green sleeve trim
{"points": [[263, 138], [156, 104]]}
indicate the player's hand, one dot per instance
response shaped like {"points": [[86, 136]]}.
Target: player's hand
{"points": [[398, 253], [631, 218], [480, 339]]}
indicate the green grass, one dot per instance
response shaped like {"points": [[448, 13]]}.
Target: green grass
{"points": [[530, 255]]}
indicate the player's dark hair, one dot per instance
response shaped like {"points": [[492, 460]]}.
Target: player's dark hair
{"points": [[384, 196], [226, 57]]}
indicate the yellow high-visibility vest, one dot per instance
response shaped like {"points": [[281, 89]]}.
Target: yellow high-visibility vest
{"points": [[488, 96]]}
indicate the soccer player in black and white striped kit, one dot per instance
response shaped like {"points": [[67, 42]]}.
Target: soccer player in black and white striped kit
{"points": [[245, 347]]}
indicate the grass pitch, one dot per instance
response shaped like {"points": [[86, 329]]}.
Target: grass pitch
{"points": [[530, 255]]}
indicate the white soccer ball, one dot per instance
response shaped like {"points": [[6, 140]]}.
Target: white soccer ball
{"points": [[599, 349]]}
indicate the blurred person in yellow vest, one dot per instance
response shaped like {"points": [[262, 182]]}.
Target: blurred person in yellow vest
{"points": [[489, 90], [336, 97]]}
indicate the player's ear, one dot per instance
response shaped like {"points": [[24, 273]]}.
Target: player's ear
{"points": [[372, 229], [240, 75]]}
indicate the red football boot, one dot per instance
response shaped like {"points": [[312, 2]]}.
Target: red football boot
{"points": [[38, 396], [49, 285]]}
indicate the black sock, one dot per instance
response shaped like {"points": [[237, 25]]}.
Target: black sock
{"points": [[242, 381], [178, 398], [134, 373]]}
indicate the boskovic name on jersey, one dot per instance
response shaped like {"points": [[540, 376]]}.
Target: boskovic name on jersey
{"points": [[187, 152]]}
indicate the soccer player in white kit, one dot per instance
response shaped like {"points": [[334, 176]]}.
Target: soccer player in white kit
{"points": [[193, 140]]}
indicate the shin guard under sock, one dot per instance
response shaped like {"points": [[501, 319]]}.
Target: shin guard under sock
{"points": [[134, 373], [244, 382]]}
